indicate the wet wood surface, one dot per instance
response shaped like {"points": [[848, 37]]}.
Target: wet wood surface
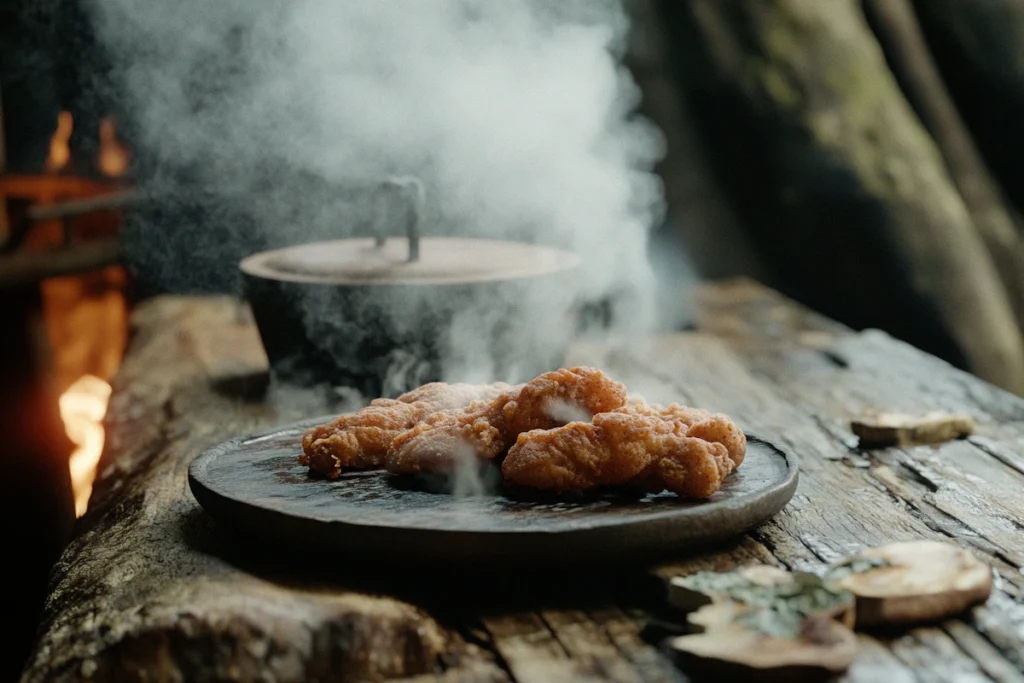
{"points": [[152, 588]]}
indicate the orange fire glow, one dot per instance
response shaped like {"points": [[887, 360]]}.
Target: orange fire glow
{"points": [[86, 314], [87, 323], [82, 408], [60, 151], [113, 158]]}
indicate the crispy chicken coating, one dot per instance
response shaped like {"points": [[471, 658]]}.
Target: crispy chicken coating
{"points": [[699, 423], [556, 398], [618, 449], [489, 428], [361, 440], [436, 444]]}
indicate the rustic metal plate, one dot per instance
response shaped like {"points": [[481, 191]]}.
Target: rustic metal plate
{"points": [[256, 485]]}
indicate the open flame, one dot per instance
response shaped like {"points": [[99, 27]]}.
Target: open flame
{"points": [[60, 151], [87, 325], [82, 408], [86, 314], [113, 157]]}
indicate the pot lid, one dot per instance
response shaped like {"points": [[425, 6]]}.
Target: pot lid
{"points": [[441, 260]]}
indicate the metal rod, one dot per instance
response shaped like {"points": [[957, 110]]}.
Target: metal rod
{"points": [[79, 207], [28, 267], [412, 187]]}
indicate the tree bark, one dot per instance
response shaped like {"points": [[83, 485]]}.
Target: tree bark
{"points": [[190, 380], [976, 44], [699, 216], [837, 180], [896, 25]]}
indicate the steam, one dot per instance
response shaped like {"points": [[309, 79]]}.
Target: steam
{"points": [[515, 115], [566, 411], [470, 477]]}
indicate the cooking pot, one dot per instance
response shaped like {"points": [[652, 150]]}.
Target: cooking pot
{"points": [[385, 315]]}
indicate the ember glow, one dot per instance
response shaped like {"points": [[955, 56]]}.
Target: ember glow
{"points": [[86, 314], [60, 151], [87, 324], [113, 157], [82, 408]]}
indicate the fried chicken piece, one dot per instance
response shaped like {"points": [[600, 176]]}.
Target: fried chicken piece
{"points": [[443, 439], [700, 423], [557, 398], [361, 440], [489, 428], [617, 449], [443, 396]]}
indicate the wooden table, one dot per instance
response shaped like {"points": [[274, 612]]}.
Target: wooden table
{"points": [[153, 589]]}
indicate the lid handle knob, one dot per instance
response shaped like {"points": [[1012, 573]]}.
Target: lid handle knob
{"points": [[412, 188]]}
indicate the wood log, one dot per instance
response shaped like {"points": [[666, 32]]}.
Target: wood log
{"points": [[837, 180], [204, 618]]}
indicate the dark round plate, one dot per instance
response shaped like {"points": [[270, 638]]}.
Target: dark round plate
{"points": [[256, 485]]}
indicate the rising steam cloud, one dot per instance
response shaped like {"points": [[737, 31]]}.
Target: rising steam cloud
{"points": [[516, 115]]}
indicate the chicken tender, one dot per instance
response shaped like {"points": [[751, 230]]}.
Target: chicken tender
{"points": [[436, 444], [701, 424], [556, 398], [361, 440], [488, 429], [618, 449]]}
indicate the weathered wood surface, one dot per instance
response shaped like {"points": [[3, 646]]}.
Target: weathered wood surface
{"points": [[153, 589]]}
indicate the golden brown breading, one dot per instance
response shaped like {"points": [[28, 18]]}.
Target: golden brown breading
{"points": [[361, 440], [617, 449], [700, 423], [434, 444], [550, 400], [443, 396], [556, 398]]}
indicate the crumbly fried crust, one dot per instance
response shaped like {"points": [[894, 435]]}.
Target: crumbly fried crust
{"points": [[647, 451], [361, 440], [701, 424], [489, 428]]}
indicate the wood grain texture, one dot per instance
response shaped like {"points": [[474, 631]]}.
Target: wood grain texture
{"points": [[152, 585]]}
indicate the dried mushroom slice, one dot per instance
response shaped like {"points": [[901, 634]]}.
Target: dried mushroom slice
{"points": [[912, 582], [895, 429]]}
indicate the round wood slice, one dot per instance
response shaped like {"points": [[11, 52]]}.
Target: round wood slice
{"points": [[923, 581], [256, 484], [730, 651], [442, 261]]}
